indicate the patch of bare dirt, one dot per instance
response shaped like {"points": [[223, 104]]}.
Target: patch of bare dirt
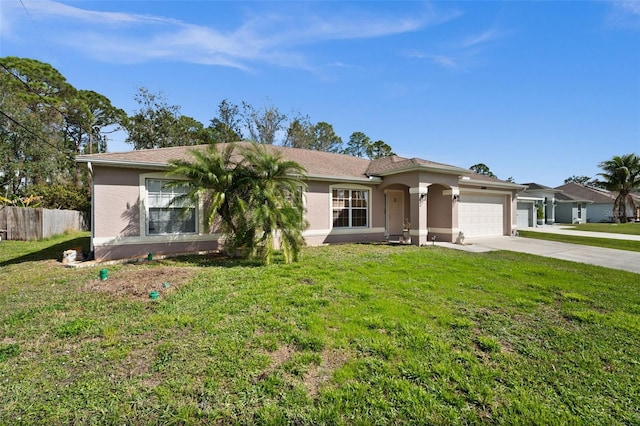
{"points": [[278, 357], [319, 374], [136, 282]]}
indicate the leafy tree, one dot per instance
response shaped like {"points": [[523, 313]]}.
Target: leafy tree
{"points": [[582, 180], [103, 118], [482, 169], [264, 124], [357, 145], [325, 138], [32, 140], [45, 123], [61, 196], [621, 174], [159, 125], [37, 105], [189, 131], [318, 137], [300, 134], [255, 195], [379, 149], [88, 114], [226, 127]]}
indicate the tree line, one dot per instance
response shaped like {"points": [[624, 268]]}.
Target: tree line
{"points": [[45, 122], [157, 124]]}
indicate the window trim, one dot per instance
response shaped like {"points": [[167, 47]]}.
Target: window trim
{"points": [[144, 207], [351, 187]]}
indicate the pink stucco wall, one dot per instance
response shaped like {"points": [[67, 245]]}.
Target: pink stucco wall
{"points": [[116, 201], [318, 214], [118, 220]]}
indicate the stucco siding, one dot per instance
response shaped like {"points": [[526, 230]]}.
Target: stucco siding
{"points": [[116, 200], [600, 213], [119, 249], [318, 213]]}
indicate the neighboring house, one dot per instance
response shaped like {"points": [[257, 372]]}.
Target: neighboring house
{"points": [[347, 199], [572, 208], [533, 198], [600, 201]]}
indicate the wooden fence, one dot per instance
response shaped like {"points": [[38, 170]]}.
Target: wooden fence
{"points": [[27, 224]]}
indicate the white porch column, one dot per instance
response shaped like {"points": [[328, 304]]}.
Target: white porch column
{"points": [[552, 212], [418, 217]]}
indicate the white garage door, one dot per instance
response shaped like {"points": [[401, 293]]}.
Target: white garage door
{"points": [[524, 215], [481, 215]]}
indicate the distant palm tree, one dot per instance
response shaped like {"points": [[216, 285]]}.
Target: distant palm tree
{"points": [[621, 174], [254, 194]]}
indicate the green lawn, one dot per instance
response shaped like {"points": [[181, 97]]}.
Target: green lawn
{"points": [[589, 241], [365, 334], [616, 228]]}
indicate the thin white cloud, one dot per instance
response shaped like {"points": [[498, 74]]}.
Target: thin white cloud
{"points": [[457, 55], [414, 53], [57, 9], [264, 38], [630, 7], [624, 14], [483, 37], [445, 61]]}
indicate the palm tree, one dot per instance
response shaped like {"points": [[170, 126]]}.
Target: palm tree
{"points": [[622, 175], [274, 203], [254, 193], [209, 177]]}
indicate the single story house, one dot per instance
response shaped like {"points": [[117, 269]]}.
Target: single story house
{"points": [[555, 206], [347, 199], [533, 198], [600, 202]]}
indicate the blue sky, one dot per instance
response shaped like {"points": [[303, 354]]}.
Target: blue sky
{"points": [[538, 91]]}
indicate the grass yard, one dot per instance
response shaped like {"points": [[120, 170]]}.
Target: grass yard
{"points": [[629, 245], [365, 334], [615, 228]]}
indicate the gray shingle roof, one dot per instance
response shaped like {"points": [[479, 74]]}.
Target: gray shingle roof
{"points": [[581, 192], [533, 185], [318, 164]]}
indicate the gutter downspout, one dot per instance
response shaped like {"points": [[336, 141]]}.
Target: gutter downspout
{"points": [[91, 248]]}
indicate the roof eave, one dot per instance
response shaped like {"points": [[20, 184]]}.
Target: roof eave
{"points": [[422, 167], [345, 179], [575, 201], [472, 182], [123, 164], [163, 166]]}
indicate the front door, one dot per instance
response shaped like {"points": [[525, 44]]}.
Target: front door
{"points": [[395, 212]]}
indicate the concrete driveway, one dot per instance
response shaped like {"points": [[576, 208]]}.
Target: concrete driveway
{"points": [[609, 258]]}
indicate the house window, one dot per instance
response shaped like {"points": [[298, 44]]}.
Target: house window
{"points": [[579, 211], [165, 217], [350, 208]]}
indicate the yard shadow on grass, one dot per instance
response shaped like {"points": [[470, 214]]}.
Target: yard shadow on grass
{"points": [[52, 252], [219, 260]]}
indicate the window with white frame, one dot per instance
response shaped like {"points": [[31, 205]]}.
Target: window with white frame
{"points": [[350, 208], [165, 217]]}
